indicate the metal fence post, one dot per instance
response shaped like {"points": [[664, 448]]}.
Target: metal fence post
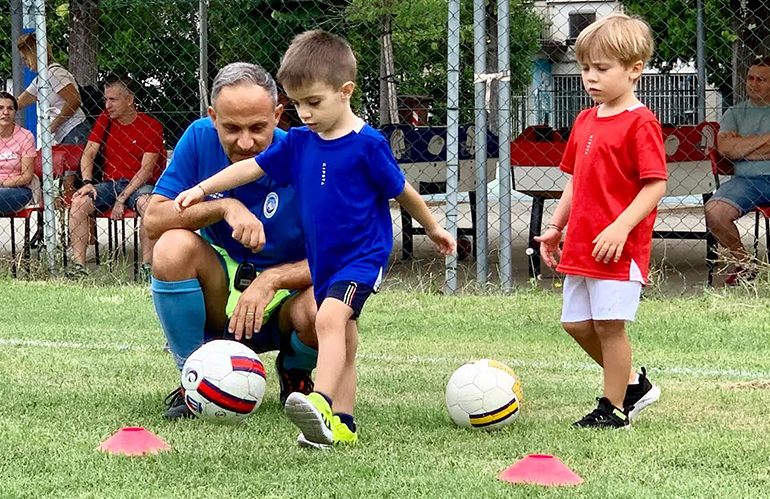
{"points": [[17, 10], [504, 133], [45, 138], [480, 87], [700, 63], [453, 115], [203, 59]]}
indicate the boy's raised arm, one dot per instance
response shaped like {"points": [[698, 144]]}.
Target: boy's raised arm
{"points": [[235, 175]]}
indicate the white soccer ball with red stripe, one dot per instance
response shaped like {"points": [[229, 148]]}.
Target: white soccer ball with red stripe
{"points": [[484, 394], [223, 382]]}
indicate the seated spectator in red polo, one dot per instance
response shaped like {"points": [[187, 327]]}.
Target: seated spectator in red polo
{"points": [[17, 159], [131, 144]]}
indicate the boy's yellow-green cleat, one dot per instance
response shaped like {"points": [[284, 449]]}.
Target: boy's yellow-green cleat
{"points": [[342, 436], [312, 415]]}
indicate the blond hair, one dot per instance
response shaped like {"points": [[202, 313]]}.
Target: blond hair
{"points": [[618, 36], [27, 45], [317, 56]]}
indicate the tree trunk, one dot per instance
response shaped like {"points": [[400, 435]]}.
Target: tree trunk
{"points": [[388, 101], [750, 23], [84, 41]]}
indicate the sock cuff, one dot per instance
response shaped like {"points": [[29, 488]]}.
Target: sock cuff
{"points": [[326, 397], [347, 420], [300, 347], [300, 356], [186, 286]]}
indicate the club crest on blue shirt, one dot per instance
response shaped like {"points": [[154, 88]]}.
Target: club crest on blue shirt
{"points": [[271, 205]]}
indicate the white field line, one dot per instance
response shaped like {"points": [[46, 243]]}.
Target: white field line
{"points": [[15, 342], [417, 359]]}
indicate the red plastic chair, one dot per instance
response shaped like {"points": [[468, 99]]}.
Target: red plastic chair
{"points": [[34, 209], [112, 235], [25, 214]]}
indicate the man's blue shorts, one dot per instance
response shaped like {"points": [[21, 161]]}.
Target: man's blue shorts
{"points": [[107, 193], [745, 193]]}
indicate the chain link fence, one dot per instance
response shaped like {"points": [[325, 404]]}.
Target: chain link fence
{"points": [[476, 98]]}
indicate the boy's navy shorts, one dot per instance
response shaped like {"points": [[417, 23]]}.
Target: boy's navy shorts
{"points": [[351, 293]]}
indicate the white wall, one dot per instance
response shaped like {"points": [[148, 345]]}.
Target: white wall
{"points": [[559, 11]]}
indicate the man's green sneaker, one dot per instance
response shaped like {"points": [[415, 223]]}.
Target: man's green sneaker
{"points": [[341, 437], [312, 415]]}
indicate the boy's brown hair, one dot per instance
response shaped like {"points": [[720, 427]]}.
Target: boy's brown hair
{"points": [[317, 56], [626, 39]]}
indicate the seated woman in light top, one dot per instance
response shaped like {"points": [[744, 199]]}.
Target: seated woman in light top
{"points": [[17, 159]]}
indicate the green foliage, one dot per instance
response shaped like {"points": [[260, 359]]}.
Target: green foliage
{"points": [[673, 24], [6, 43], [156, 43], [420, 48]]}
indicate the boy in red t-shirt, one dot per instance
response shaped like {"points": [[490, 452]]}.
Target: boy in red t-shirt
{"points": [[617, 161]]}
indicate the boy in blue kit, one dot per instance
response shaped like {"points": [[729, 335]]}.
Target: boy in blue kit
{"points": [[344, 174]]}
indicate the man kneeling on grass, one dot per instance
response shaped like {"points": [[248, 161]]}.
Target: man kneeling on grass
{"points": [[205, 283]]}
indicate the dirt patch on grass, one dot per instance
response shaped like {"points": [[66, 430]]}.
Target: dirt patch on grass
{"points": [[757, 384]]}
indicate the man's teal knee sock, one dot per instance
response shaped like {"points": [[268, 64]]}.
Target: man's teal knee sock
{"points": [[302, 357], [182, 314]]}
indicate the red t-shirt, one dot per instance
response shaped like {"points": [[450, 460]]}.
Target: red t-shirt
{"points": [[610, 158], [127, 144]]}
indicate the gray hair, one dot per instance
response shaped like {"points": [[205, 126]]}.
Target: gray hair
{"points": [[243, 73]]}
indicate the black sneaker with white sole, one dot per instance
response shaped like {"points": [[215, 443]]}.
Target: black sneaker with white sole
{"points": [[177, 408], [292, 380], [640, 395], [605, 415]]}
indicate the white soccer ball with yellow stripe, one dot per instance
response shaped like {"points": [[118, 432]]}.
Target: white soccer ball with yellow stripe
{"points": [[484, 394]]}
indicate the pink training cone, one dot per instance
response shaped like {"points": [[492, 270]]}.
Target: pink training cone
{"points": [[540, 469], [133, 441]]}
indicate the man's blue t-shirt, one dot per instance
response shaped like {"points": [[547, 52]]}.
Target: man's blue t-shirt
{"points": [[199, 155], [343, 186]]}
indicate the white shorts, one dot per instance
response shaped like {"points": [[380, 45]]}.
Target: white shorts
{"points": [[586, 298]]}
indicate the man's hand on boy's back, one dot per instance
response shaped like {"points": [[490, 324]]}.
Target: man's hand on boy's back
{"points": [[608, 245]]}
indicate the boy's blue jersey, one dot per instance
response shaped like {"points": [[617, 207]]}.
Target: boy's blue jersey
{"points": [[199, 155], [343, 186]]}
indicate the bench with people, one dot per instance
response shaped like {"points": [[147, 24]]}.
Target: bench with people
{"points": [[744, 141], [129, 145], [117, 161]]}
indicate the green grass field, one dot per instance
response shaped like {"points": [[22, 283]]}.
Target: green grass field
{"points": [[78, 363]]}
